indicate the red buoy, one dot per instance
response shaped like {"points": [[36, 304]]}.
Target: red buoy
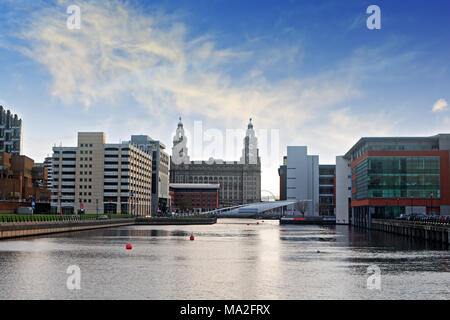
{"points": [[248, 224], [263, 221], [191, 238], [257, 222], [129, 246]]}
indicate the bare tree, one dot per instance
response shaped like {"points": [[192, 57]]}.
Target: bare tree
{"points": [[301, 206]]}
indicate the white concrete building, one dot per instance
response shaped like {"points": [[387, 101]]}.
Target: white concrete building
{"points": [[160, 171], [303, 178], [101, 178], [343, 191]]}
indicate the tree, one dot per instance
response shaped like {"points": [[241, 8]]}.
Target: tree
{"points": [[186, 203], [301, 206]]}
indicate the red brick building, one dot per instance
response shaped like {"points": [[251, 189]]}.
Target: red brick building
{"points": [[21, 180], [194, 196]]}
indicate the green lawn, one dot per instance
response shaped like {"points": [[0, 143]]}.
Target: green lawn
{"points": [[53, 217]]}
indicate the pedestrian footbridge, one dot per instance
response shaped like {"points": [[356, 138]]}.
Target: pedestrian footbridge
{"points": [[269, 209]]}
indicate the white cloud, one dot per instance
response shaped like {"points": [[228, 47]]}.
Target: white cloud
{"points": [[440, 105], [121, 51]]}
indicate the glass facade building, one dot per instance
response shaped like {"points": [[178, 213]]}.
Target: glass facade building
{"points": [[397, 177], [394, 175]]}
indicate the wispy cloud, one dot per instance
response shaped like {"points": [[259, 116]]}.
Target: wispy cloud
{"points": [[120, 50], [151, 57]]}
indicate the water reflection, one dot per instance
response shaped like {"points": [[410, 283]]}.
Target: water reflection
{"points": [[228, 260]]}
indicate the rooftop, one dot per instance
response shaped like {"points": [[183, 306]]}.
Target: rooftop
{"points": [[195, 185]]}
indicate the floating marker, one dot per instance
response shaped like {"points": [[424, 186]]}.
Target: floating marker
{"points": [[257, 222], [129, 246], [191, 238], [248, 224]]}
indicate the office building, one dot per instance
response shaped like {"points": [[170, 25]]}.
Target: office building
{"points": [[160, 171], [343, 191], [240, 181], [48, 165], [22, 180], [96, 177], [282, 173], [197, 197], [303, 179], [10, 132], [326, 189], [394, 175]]}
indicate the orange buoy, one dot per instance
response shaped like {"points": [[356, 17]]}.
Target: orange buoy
{"points": [[129, 246], [191, 238]]}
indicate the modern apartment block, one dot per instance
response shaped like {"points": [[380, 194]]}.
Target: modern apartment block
{"points": [[160, 171], [303, 178], [96, 177], [394, 175], [10, 132], [326, 189]]}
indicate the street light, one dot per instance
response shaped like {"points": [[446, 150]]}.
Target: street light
{"points": [[431, 202]]}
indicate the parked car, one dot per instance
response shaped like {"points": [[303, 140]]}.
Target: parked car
{"points": [[102, 217]]}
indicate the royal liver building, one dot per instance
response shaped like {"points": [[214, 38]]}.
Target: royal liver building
{"points": [[240, 181]]}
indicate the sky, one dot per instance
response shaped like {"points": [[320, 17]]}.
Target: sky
{"points": [[307, 73]]}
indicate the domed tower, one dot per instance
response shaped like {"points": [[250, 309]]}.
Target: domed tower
{"points": [[250, 153], [179, 148]]}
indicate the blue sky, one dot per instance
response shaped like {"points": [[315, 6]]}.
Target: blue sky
{"points": [[310, 69]]}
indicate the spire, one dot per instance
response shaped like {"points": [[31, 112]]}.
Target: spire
{"points": [[250, 124]]}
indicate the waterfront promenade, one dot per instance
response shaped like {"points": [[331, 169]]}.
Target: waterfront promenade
{"points": [[33, 228], [426, 231]]}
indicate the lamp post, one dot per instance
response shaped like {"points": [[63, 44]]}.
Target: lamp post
{"points": [[398, 204], [412, 197], [431, 202]]}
